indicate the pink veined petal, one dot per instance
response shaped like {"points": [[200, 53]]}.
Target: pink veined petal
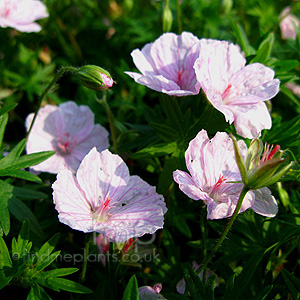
{"points": [[158, 83], [249, 124], [218, 60], [78, 120], [253, 83], [135, 212], [188, 186], [70, 202], [265, 204], [143, 60], [226, 209]]}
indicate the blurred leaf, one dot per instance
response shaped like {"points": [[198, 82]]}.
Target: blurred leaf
{"points": [[7, 108], [131, 290], [28, 194], [286, 65], [292, 282], [264, 49], [228, 295], [155, 150], [290, 95], [261, 295], [3, 122], [193, 283], [166, 132], [242, 281], [21, 212], [241, 37]]}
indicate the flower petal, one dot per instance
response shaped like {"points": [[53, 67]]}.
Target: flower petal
{"points": [[249, 124], [265, 204], [70, 202]]}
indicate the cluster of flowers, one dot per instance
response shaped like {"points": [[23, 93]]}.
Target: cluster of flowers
{"points": [[181, 65]]}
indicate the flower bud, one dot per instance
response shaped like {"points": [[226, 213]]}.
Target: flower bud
{"points": [[261, 166], [95, 78], [167, 19]]}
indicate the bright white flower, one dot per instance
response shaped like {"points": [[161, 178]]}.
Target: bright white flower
{"points": [[289, 24], [236, 90], [104, 198], [167, 64], [213, 169], [21, 14], [69, 130]]}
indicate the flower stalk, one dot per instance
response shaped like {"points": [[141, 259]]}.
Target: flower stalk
{"points": [[226, 230]]}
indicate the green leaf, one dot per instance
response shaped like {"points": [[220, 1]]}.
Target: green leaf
{"points": [[57, 273], [242, 281], [290, 95], [229, 288], [37, 293], [47, 260], [3, 122], [3, 279], [156, 150], [241, 37], [292, 282], [210, 287], [131, 290], [261, 295], [28, 194], [45, 251], [21, 246], [66, 285], [264, 49], [6, 109], [286, 65], [21, 174], [5, 260], [28, 160], [193, 283], [21, 212], [166, 132], [5, 195], [12, 156]]}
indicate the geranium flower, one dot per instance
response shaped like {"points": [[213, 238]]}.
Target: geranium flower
{"points": [[213, 171], [69, 130], [21, 14], [104, 198], [167, 64], [289, 24], [236, 90]]}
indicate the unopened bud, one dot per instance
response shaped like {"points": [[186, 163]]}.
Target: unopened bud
{"points": [[262, 165], [167, 19], [95, 78]]}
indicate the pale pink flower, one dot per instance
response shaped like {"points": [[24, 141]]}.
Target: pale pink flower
{"points": [[21, 14], [104, 198], [236, 90], [151, 293], [289, 24], [69, 130], [294, 88], [167, 64], [213, 169]]}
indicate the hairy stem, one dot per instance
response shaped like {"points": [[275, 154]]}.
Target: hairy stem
{"points": [[47, 90], [226, 230]]}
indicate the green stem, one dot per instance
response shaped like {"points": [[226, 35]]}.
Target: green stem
{"points": [[226, 230], [178, 8], [111, 122], [48, 88], [85, 258], [203, 233]]}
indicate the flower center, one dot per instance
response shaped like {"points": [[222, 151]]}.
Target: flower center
{"points": [[100, 214], [226, 92], [213, 192], [63, 144]]}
